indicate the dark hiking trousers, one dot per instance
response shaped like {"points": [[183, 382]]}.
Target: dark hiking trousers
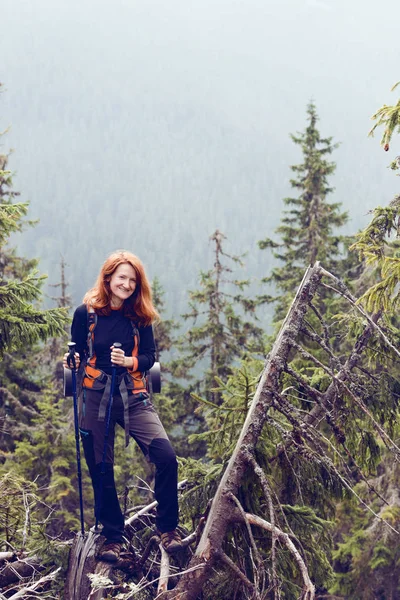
{"points": [[146, 429]]}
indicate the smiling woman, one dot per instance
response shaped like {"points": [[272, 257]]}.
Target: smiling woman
{"points": [[119, 308]]}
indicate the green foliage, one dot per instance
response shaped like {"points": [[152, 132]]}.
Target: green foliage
{"points": [[174, 404], [367, 558], [307, 230], [164, 328], [225, 420], [10, 217], [387, 117], [21, 321], [18, 500], [375, 246], [203, 478], [223, 334], [35, 438], [24, 519], [307, 468], [45, 453]]}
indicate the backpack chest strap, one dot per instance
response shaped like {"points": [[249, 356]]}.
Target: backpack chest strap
{"points": [[105, 399]]}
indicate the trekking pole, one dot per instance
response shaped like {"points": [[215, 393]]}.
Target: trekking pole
{"points": [[106, 433], [72, 365]]}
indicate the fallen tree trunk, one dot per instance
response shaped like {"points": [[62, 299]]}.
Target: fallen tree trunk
{"points": [[20, 568], [223, 510]]}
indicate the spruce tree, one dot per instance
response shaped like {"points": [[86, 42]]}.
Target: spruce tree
{"points": [[28, 392], [308, 477], [174, 404], [220, 334], [308, 228], [164, 328], [22, 322]]}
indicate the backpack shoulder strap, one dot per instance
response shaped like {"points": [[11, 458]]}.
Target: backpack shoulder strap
{"points": [[136, 336], [91, 324]]}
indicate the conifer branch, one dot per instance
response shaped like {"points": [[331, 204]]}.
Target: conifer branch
{"points": [[343, 291], [313, 393], [237, 571], [385, 437], [324, 345], [327, 399], [309, 588], [308, 356], [353, 462], [350, 488], [389, 118], [300, 431]]}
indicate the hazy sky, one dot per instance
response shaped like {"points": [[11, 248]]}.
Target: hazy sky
{"points": [[200, 98]]}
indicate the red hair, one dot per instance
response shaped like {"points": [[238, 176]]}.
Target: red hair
{"points": [[139, 306]]}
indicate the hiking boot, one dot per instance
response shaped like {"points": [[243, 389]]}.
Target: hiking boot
{"points": [[171, 541], [110, 551]]}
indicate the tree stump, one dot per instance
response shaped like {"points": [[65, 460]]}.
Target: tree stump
{"points": [[82, 562]]}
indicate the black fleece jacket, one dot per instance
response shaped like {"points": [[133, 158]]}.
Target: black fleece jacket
{"points": [[109, 329]]}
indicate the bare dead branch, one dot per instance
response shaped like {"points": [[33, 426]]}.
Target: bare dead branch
{"points": [[313, 393], [22, 567], [385, 437], [267, 493], [345, 292], [149, 507], [6, 556], [38, 584], [309, 589], [321, 342], [238, 572], [27, 519], [164, 571], [251, 538], [154, 540]]}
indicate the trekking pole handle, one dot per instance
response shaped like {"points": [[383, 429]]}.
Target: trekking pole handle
{"points": [[71, 355], [116, 345]]}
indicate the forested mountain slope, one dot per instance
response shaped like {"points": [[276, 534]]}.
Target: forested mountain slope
{"points": [[149, 126]]}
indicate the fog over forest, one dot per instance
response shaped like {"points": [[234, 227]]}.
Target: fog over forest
{"points": [[149, 124]]}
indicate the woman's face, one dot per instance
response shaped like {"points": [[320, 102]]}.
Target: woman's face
{"points": [[122, 284]]}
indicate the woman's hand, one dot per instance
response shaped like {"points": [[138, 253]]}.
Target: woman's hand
{"points": [[118, 358], [77, 360]]}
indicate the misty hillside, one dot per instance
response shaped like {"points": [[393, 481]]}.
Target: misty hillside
{"points": [[147, 125]]}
